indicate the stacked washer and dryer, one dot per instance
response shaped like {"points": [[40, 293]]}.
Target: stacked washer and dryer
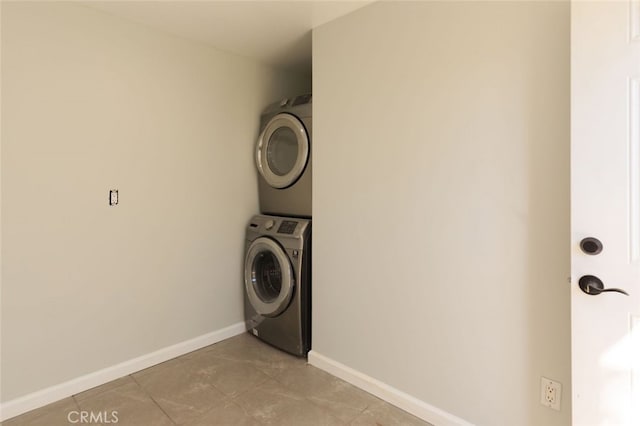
{"points": [[277, 266]]}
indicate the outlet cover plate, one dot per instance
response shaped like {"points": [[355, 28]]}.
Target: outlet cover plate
{"points": [[550, 393]]}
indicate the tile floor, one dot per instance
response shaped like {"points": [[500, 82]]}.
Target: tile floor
{"points": [[240, 381]]}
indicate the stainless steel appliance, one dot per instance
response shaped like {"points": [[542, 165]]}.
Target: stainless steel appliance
{"points": [[277, 280], [283, 158]]}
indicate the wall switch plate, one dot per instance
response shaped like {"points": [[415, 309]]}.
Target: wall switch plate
{"points": [[550, 393], [113, 197]]}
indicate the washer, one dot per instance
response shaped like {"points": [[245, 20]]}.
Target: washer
{"points": [[277, 281], [283, 158]]}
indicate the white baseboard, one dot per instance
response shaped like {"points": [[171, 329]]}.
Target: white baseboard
{"points": [[46, 396], [393, 396]]}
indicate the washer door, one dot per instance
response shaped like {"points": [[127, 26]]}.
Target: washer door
{"points": [[268, 277], [282, 150]]}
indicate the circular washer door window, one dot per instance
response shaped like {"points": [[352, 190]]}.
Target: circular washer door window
{"points": [[282, 151], [268, 277]]}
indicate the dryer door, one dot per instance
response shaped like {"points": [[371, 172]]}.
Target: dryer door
{"points": [[282, 150], [268, 277]]}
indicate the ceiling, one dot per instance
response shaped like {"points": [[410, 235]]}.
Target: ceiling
{"points": [[274, 32]]}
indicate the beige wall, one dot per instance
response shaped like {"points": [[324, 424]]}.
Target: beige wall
{"points": [[90, 103], [441, 203]]}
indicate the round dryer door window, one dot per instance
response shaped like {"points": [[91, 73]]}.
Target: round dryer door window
{"points": [[268, 277], [282, 150]]}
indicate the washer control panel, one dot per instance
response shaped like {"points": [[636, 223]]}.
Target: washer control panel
{"points": [[287, 227]]}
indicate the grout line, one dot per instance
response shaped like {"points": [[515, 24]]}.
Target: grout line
{"points": [[358, 411], [76, 401], [99, 392], [152, 399], [306, 398], [179, 360], [256, 419], [162, 409]]}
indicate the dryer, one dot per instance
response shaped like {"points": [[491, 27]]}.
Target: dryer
{"points": [[283, 158], [277, 281]]}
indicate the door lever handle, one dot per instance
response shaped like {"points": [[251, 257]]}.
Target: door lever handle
{"points": [[593, 286]]}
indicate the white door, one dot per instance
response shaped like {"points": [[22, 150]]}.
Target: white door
{"points": [[605, 204]]}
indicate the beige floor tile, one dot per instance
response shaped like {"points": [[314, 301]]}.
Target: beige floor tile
{"points": [[383, 414], [50, 415], [341, 399], [183, 393], [103, 388], [273, 404], [249, 349], [229, 376], [129, 403], [240, 381], [226, 414]]}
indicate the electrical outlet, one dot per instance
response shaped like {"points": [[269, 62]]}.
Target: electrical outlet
{"points": [[550, 393], [113, 197]]}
